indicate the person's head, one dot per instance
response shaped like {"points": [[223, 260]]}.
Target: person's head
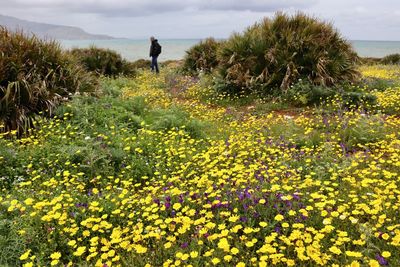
{"points": [[152, 38]]}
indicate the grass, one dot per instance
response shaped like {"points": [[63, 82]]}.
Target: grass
{"points": [[161, 170]]}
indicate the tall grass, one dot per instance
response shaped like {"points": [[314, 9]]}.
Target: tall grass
{"points": [[103, 61], [202, 56], [35, 75]]}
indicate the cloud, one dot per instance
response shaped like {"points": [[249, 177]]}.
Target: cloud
{"points": [[147, 7]]}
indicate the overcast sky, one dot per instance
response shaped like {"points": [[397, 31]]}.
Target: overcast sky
{"points": [[356, 19]]}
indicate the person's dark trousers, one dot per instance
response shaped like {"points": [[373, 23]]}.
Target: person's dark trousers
{"points": [[154, 64]]}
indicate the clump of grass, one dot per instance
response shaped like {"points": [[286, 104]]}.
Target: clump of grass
{"points": [[202, 56], [275, 53], [35, 76], [392, 59], [103, 61], [141, 64]]}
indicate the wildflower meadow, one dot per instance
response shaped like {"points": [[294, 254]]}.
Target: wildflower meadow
{"points": [[159, 170]]}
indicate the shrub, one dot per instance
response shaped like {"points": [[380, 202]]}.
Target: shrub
{"points": [[370, 60], [103, 61], [392, 59], [35, 75], [202, 56], [304, 93], [276, 52], [358, 99], [141, 64]]}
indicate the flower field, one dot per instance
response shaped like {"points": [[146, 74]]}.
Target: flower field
{"points": [[146, 176]]}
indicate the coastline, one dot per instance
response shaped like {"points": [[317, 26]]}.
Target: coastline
{"points": [[174, 49]]}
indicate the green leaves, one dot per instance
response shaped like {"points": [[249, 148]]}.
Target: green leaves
{"points": [[202, 57], [276, 52], [35, 76], [103, 61]]}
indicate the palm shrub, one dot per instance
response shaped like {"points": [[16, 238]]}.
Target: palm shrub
{"points": [[277, 52], [35, 75], [202, 56], [103, 61], [391, 59]]}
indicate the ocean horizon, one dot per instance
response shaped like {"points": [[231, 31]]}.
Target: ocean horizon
{"points": [[174, 49]]}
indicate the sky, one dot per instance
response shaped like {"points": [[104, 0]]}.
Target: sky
{"points": [[194, 19]]}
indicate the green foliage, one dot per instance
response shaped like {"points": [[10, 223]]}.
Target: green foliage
{"points": [[304, 93], [35, 76], [370, 60], [276, 52], [367, 129], [358, 99], [11, 243], [103, 61], [202, 56], [141, 64], [393, 59]]}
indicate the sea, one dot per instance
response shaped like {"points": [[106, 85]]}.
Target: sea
{"points": [[174, 49]]}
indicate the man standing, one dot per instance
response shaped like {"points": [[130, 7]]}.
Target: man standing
{"points": [[155, 51]]}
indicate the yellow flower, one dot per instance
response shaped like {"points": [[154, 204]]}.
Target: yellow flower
{"points": [[28, 264], [263, 224], [279, 217], [194, 254], [234, 251], [25, 255], [374, 263], [354, 254], [79, 251], [249, 244], [55, 256], [176, 206], [140, 249], [54, 262], [227, 258], [28, 201], [241, 264], [71, 243], [386, 254], [223, 244], [215, 261], [335, 250]]}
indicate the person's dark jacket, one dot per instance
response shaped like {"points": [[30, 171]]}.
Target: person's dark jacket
{"points": [[155, 48]]}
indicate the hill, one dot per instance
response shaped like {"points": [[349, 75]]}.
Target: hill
{"points": [[44, 30]]}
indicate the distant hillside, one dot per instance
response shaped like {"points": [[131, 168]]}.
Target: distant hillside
{"points": [[43, 30]]}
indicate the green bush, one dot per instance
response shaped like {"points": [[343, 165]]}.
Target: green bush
{"points": [[35, 75], [304, 93], [202, 56], [392, 59], [277, 52], [370, 60], [141, 64], [103, 61], [358, 99]]}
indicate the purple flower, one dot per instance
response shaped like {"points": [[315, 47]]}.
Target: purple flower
{"points": [[167, 205], [381, 260], [185, 245], [243, 219]]}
